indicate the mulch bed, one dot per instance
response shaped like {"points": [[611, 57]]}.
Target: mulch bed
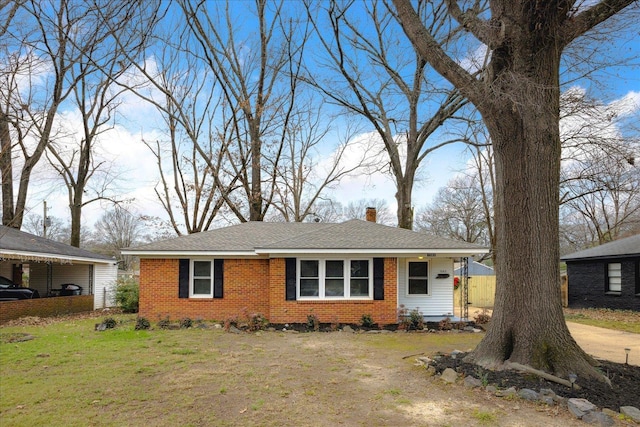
{"points": [[624, 390]]}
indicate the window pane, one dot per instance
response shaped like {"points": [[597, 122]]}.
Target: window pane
{"points": [[308, 268], [201, 286], [418, 286], [334, 287], [359, 287], [202, 268], [418, 269], [615, 284], [615, 269], [359, 268], [335, 268], [308, 287]]}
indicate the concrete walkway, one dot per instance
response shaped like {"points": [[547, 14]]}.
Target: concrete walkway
{"points": [[600, 343], [606, 343]]}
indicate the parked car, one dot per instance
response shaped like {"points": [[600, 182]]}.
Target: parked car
{"points": [[12, 291]]}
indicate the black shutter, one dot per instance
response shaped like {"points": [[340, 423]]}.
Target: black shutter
{"points": [[218, 278], [378, 278], [183, 279], [290, 278]]}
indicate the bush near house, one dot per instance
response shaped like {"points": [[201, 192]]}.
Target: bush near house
{"points": [[127, 295]]}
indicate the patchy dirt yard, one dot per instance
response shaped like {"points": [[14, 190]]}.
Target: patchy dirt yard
{"points": [[208, 377]]}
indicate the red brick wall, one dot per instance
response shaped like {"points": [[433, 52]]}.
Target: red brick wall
{"points": [[245, 289], [383, 312], [254, 286], [45, 307]]}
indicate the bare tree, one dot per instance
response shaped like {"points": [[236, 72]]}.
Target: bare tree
{"points": [[116, 229], [56, 229], [518, 97], [377, 76], [101, 62], [457, 212], [358, 209], [257, 71], [39, 48], [303, 175]]}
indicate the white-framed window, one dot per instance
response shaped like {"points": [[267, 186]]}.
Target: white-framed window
{"points": [[335, 278], [201, 280], [614, 277], [417, 278]]}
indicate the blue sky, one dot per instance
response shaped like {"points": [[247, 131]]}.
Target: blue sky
{"points": [[138, 171]]}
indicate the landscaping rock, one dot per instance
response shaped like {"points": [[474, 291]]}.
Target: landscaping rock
{"points": [[610, 412], [472, 382], [528, 394], [598, 418], [491, 389], [347, 328], [510, 392], [580, 407], [431, 371], [234, 330], [449, 376], [631, 412]]}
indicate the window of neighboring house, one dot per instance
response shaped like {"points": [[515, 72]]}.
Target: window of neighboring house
{"points": [[330, 278], [614, 278], [418, 278], [202, 279]]}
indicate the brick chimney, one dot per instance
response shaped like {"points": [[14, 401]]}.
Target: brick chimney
{"points": [[371, 214]]}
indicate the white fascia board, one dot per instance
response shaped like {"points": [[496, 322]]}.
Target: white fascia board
{"points": [[189, 254], [19, 255], [377, 252]]}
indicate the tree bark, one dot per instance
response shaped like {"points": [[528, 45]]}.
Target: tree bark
{"points": [[518, 97], [6, 168]]}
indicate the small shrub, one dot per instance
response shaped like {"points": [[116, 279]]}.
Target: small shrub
{"points": [[416, 319], [109, 323], [142, 324], [164, 323], [335, 323], [127, 295], [367, 321], [257, 322], [482, 318], [313, 324], [404, 324], [445, 324], [186, 323], [231, 321]]}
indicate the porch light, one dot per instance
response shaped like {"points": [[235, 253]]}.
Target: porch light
{"points": [[626, 359], [572, 380]]}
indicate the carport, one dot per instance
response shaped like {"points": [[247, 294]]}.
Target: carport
{"points": [[51, 265]]}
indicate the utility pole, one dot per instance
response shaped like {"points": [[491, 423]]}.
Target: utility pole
{"points": [[45, 221]]}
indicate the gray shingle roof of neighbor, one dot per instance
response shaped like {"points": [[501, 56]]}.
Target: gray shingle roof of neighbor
{"points": [[14, 242], [265, 237], [627, 247]]}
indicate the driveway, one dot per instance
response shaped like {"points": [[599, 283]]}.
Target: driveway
{"points": [[600, 343], [606, 343]]}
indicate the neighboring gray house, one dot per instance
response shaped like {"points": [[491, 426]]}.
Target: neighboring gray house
{"points": [[51, 264], [607, 276], [475, 269]]}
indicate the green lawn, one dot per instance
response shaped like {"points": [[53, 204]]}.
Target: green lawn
{"points": [[69, 374], [621, 320]]}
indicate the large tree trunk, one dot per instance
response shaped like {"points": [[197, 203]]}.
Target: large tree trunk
{"points": [[528, 326]]}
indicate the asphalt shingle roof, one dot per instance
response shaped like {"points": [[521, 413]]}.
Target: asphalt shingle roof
{"points": [[265, 237], [627, 247], [13, 240]]}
